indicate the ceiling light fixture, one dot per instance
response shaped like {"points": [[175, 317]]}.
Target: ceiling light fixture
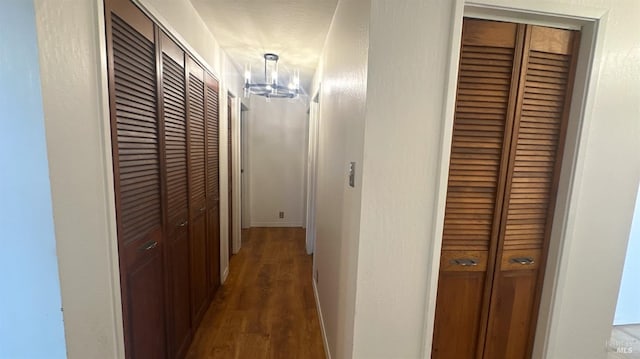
{"points": [[271, 87]]}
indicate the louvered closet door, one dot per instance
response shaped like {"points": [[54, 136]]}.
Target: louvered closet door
{"points": [[482, 126], [197, 191], [534, 168], [213, 181], [137, 171], [175, 131]]}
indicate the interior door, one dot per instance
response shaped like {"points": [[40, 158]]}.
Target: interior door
{"points": [[213, 181], [512, 105], [136, 142], [534, 167], [197, 190], [489, 65], [175, 131]]}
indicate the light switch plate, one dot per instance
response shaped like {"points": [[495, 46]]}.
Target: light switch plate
{"points": [[352, 174]]}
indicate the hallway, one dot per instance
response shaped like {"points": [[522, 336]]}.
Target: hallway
{"points": [[266, 307]]}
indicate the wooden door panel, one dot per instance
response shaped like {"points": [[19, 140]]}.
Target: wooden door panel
{"points": [[459, 307], [197, 151], [175, 129], [213, 247], [212, 116], [146, 305], [533, 172], [198, 260], [513, 91], [180, 293], [197, 189], [479, 152], [509, 323], [177, 203], [136, 142]]}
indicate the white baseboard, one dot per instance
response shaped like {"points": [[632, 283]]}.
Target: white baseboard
{"points": [[225, 274], [321, 319], [276, 224]]}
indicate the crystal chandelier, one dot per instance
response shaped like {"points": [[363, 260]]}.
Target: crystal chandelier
{"points": [[271, 87]]}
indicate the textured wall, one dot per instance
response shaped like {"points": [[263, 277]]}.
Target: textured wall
{"points": [[277, 157], [342, 74]]}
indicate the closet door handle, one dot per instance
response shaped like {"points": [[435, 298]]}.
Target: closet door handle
{"points": [[465, 262], [183, 223], [525, 261], [202, 209], [148, 246]]}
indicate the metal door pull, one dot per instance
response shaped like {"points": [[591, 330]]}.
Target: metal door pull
{"points": [[148, 246], [183, 223], [465, 262], [525, 261]]}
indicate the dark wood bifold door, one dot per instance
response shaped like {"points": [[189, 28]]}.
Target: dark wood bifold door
{"points": [[197, 190], [514, 88], [212, 116], [137, 143], [164, 120], [175, 133]]}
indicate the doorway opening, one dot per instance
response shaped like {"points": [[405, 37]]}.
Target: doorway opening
{"points": [[572, 163], [312, 175]]}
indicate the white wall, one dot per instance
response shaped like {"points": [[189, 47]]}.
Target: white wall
{"points": [[276, 162], [628, 307], [406, 111], [73, 72], [342, 75], [408, 58], [30, 318]]}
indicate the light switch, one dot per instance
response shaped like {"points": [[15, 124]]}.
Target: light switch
{"points": [[352, 174]]}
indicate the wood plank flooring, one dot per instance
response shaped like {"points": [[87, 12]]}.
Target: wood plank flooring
{"points": [[266, 308]]}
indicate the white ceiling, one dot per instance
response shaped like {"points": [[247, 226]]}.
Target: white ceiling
{"points": [[293, 29]]}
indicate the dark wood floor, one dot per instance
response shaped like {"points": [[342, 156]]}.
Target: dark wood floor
{"points": [[266, 308]]}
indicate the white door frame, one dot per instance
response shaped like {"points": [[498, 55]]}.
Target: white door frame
{"points": [[591, 22], [312, 172], [244, 164]]}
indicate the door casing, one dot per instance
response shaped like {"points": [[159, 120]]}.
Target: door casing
{"points": [[591, 23]]}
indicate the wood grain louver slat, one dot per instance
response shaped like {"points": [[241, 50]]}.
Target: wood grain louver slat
{"points": [[213, 163], [197, 153], [174, 98], [136, 132]]}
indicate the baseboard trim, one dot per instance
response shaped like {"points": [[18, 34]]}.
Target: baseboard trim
{"points": [[321, 319], [276, 224], [225, 274]]}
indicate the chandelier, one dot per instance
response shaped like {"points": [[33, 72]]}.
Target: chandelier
{"points": [[271, 87]]}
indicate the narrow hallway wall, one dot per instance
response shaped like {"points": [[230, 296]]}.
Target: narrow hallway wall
{"points": [[277, 157], [342, 79]]}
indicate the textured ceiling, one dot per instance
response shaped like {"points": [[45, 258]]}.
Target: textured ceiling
{"points": [[293, 29]]}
